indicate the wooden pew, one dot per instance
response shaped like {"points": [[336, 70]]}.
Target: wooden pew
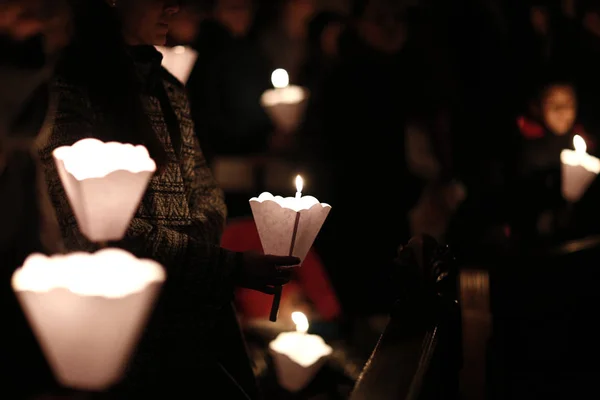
{"points": [[545, 306], [419, 355]]}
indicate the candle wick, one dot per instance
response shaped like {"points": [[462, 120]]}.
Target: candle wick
{"points": [[298, 195]]}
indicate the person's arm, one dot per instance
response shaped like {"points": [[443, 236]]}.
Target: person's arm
{"points": [[193, 261]]}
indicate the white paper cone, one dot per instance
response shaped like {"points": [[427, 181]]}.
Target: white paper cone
{"points": [[285, 107], [179, 61], [275, 224], [105, 206], [87, 311], [286, 117], [104, 183], [87, 340], [575, 181], [293, 376]]}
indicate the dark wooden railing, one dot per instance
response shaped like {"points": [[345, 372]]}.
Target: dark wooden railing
{"points": [[545, 306], [419, 355]]}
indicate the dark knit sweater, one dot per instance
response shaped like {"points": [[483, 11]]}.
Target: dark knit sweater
{"points": [[179, 223]]}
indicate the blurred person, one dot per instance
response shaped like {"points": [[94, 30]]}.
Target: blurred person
{"points": [[110, 85], [324, 33], [367, 102], [284, 37], [545, 41], [32, 33], [225, 89], [186, 23], [545, 129], [227, 23], [586, 62], [235, 15], [227, 81]]}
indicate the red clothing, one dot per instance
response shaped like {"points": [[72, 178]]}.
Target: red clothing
{"points": [[311, 278], [531, 130]]}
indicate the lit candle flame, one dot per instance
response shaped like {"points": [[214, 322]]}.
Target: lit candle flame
{"points": [[301, 321], [280, 78], [579, 144], [179, 49], [299, 184]]}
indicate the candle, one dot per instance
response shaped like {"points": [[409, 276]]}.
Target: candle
{"points": [[287, 226], [298, 356], [179, 61], [579, 169], [104, 183], [285, 104], [87, 311]]}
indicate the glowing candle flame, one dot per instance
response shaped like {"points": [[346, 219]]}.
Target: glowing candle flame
{"points": [[179, 49], [299, 184], [280, 78], [301, 321], [579, 144]]}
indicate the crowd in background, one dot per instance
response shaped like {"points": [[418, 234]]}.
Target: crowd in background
{"points": [[437, 117], [423, 117]]}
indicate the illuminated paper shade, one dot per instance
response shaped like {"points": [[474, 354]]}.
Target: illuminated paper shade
{"points": [[275, 219], [285, 106], [88, 311], [298, 357], [179, 61], [104, 183], [579, 170]]}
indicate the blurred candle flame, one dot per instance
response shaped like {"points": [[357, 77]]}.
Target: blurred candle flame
{"points": [[280, 78], [301, 321], [579, 144]]}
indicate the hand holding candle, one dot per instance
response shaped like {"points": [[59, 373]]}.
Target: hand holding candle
{"points": [[579, 169], [287, 226]]}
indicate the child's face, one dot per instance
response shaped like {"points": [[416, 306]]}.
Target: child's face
{"points": [[559, 109]]}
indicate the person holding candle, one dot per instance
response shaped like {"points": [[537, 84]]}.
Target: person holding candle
{"points": [[547, 128], [110, 85], [226, 83]]}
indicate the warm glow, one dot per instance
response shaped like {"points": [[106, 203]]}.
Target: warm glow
{"points": [[301, 321], [179, 49], [280, 78], [108, 273], [579, 144], [91, 158], [299, 184]]}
